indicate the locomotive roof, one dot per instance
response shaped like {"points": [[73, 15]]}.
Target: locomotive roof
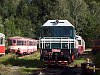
{"points": [[58, 23]]}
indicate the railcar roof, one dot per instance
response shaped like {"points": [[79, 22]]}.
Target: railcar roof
{"points": [[58, 23], [22, 38], [1, 34], [78, 37]]}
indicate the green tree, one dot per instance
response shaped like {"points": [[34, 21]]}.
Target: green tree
{"points": [[9, 26], [1, 25], [23, 9], [9, 8]]}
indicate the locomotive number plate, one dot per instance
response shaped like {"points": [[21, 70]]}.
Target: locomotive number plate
{"points": [[55, 50]]}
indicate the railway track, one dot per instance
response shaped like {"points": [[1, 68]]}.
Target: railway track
{"points": [[58, 71], [72, 69]]}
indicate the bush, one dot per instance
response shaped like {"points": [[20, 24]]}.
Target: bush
{"points": [[32, 60], [7, 59]]}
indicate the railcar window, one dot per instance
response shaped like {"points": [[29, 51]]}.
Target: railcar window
{"points": [[9, 42], [24, 42], [30, 43], [1, 40], [34, 43], [20, 42], [14, 41], [79, 42]]}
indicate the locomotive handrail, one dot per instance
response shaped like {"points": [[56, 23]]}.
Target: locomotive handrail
{"points": [[61, 40]]}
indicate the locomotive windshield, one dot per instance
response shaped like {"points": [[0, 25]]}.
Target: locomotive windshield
{"points": [[57, 31]]}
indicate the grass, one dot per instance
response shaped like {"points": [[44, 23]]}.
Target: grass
{"points": [[31, 63], [79, 61], [26, 64], [27, 61]]}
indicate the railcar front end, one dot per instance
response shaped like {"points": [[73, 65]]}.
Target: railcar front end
{"points": [[81, 44], [2, 44]]}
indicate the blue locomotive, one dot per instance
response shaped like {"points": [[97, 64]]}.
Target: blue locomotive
{"points": [[57, 43]]}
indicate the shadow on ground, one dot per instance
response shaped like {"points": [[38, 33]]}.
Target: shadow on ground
{"points": [[34, 63]]}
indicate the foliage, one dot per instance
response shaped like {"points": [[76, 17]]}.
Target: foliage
{"points": [[25, 17], [27, 61], [25, 65]]}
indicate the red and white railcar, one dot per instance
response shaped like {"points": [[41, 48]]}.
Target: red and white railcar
{"points": [[81, 44], [22, 45], [2, 44]]}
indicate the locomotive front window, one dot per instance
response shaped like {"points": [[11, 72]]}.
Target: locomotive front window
{"points": [[58, 31], [67, 31], [46, 31]]}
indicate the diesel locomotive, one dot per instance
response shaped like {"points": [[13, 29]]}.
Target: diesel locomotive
{"points": [[58, 44]]}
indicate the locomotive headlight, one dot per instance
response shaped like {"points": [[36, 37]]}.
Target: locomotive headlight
{"points": [[66, 45], [47, 45]]}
